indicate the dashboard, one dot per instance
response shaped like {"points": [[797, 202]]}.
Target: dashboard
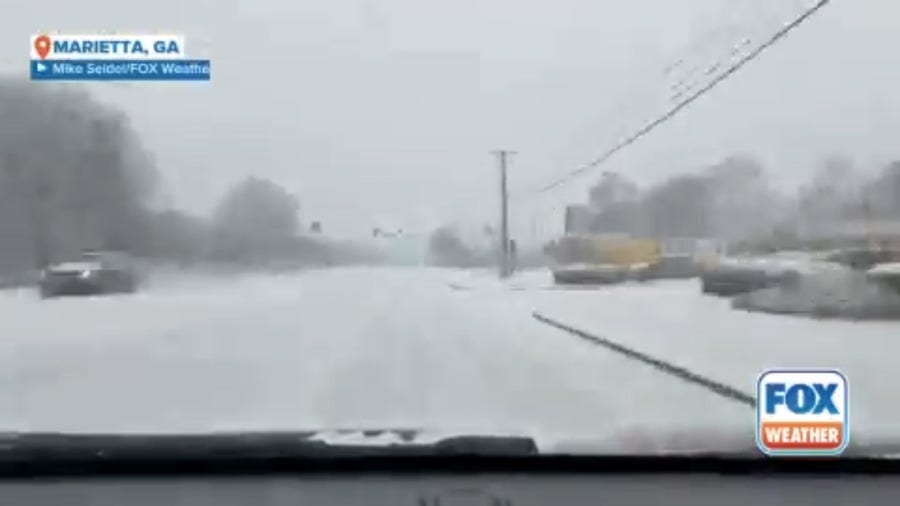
{"points": [[305, 469], [456, 490]]}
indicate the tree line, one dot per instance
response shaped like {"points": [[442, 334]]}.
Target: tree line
{"points": [[735, 200], [75, 176]]}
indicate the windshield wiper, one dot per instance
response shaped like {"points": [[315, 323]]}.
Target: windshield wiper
{"points": [[42, 453]]}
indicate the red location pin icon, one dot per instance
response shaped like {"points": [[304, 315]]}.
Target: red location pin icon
{"points": [[42, 46]]}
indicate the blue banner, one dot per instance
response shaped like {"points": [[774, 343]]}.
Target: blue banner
{"points": [[120, 70]]}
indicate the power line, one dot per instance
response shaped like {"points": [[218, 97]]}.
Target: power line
{"points": [[689, 100], [687, 82], [681, 73], [681, 58]]}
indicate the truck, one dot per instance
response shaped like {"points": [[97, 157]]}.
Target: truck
{"points": [[601, 259]]}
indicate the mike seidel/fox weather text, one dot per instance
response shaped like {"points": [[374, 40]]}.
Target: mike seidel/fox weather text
{"points": [[147, 57]]}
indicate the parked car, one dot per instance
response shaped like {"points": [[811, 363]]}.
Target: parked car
{"points": [[738, 275], [96, 272], [727, 280], [589, 274], [887, 275]]}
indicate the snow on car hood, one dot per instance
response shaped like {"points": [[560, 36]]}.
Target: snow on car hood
{"points": [[632, 441], [75, 267], [886, 269], [801, 262]]}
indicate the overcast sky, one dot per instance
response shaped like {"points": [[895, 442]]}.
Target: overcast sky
{"points": [[383, 112]]}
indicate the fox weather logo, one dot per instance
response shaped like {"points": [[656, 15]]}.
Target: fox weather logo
{"points": [[103, 57], [802, 412]]}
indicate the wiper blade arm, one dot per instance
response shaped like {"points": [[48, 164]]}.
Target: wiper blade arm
{"points": [[48, 447]]}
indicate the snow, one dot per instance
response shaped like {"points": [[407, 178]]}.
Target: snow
{"points": [[775, 264], [673, 320], [353, 347], [885, 269], [414, 348], [75, 267]]}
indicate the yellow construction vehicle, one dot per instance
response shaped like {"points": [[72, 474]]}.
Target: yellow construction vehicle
{"points": [[584, 258]]}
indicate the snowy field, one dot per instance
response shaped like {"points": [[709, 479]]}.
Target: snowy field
{"points": [[672, 320], [411, 347]]}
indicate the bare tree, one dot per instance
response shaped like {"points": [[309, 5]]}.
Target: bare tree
{"points": [[257, 220], [679, 207], [73, 175], [446, 248], [614, 200]]}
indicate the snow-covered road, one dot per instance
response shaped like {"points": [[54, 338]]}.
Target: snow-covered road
{"points": [[373, 347], [355, 347]]}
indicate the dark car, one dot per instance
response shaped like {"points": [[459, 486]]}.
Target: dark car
{"points": [[94, 273], [734, 280], [739, 275]]}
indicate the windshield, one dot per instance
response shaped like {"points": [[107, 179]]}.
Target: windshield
{"points": [[568, 220]]}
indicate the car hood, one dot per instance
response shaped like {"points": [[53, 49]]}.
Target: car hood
{"points": [[487, 442], [629, 441]]}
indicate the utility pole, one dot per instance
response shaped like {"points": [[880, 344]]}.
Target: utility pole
{"points": [[502, 156]]}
